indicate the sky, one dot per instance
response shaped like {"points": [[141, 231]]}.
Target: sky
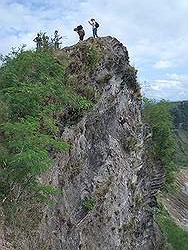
{"points": [[155, 33]]}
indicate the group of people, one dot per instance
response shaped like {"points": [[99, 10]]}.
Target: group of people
{"points": [[80, 30], [43, 41]]}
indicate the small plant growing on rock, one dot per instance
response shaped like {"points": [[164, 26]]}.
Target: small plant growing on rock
{"points": [[132, 70], [89, 203], [93, 56]]}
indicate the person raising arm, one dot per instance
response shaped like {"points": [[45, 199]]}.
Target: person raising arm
{"points": [[95, 26]]}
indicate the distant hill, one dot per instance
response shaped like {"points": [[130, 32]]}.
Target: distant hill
{"points": [[173, 220], [180, 113]]}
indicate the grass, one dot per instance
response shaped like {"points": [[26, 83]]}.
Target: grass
{"points": [[176, 237]]}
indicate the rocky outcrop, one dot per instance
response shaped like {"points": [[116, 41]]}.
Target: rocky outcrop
{"points": [[107, 187]]}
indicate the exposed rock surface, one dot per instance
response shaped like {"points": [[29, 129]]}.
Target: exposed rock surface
{"points": [[108, 189]]}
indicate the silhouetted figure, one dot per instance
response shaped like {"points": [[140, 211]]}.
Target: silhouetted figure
{"points": [[56, 40], [38, 41], [95, 26], [45, 41], [79, 29]]}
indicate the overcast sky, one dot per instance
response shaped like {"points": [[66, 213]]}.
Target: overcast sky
{"points": [[155, 33]]}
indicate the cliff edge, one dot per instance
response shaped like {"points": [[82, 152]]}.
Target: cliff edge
{"points": [[108, 189]]}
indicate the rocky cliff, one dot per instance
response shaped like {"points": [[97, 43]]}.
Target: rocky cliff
{"points": [[108, 187]]}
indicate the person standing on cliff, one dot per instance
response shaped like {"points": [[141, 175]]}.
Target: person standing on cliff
{"points": [[45, 41], [56, 40], [95, 26], [38, 41], [79, 29]]}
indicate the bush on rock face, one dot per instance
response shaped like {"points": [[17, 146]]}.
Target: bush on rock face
{"points": [[35, 93]]}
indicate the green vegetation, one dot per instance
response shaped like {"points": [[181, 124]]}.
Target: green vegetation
{"points": [[176, 237], [168, 147], [131, 70], [181, 136], [180, 120], [162, 147], [92, 55], [35, 95], [180, 114], [89, 203]]}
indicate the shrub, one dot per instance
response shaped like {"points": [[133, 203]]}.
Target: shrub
{"points": [[89, 203], [33, 93], [162, 146]]}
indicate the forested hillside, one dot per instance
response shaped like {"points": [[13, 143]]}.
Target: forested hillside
{"points": [[173, 218], [180, 114]]}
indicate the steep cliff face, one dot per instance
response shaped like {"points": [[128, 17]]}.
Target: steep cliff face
{"points": [[107, 186], [107, 200]]}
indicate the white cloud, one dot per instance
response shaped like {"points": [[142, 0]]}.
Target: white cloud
{"points": [[174, 85], [174, 76], [163, 64]]}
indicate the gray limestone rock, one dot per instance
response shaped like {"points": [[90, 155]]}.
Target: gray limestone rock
{"points": [[108, 189], [107, 185]]}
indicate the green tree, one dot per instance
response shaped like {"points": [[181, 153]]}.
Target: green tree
{"points": [[162, 147], [34, 94]]}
